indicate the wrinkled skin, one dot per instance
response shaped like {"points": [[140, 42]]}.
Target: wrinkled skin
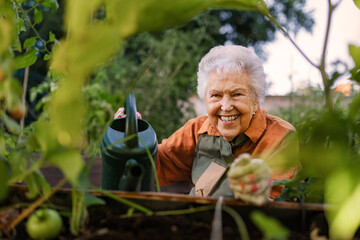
{"points": [[230, 103]]}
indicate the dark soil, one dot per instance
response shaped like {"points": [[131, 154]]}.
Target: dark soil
{"points": [[104, 222], [176, 227]]}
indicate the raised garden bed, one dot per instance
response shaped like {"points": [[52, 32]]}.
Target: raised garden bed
{"points": [[105, 221]]}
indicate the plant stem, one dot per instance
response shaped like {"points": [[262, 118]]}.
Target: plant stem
{"points": [[286, 34], [26, 212], [23, 100], [151, 159], [237, 218], [124, 201], [185, 211], [322, 67], [173, 212], [18, 5], [22, 175]]}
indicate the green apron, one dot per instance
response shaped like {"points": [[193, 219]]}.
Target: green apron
{"points": [[215, 149]]}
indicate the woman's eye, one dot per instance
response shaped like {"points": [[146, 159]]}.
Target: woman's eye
{"points": [[237, 94], [215, 95]]}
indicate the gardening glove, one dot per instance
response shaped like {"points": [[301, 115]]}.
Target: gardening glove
{"points": [[121, 113], [250, 179]]}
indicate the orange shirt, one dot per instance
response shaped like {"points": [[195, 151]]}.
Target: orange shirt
{"points": [[267, 134]]}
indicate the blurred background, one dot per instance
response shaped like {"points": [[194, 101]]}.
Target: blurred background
{"points": [[160, 67]]}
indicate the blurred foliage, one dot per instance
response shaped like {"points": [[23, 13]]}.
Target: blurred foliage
{"points": [[329, 155], [270, 227], [162, 76], [329, 134], [160, 67], [73, 110], [18, 163], [58, 136]]}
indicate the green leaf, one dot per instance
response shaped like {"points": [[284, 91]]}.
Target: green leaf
{"points": [[7, 26], [11, 90], [17, 44], [270, 227], [354, 109], [4, 177], [38, 16], [79, 212], [28, 59], [287, 193], [36, 184], [47, 57], [91, 200], [3, 146], [52, 4], [343, 192], [29, 42], [20, 25], [17, 163], [95, 45], [280, 182], [357, 76], [247, 5], [67, 110], [355, 54], [44, 137], [357, 3], [11, 125], [51, 37], [70, 162], [152, 15]]}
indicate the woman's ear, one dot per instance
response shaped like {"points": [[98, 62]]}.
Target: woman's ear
{"points": [[256, 106]]}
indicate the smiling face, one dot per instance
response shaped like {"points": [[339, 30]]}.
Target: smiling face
{"points": [[229, 103]]}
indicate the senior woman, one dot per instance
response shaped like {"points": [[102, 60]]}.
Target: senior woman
{"points": [[225, 153]]}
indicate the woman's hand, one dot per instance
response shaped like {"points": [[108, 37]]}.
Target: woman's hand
{"points": [[250, 179], [121, 113]]}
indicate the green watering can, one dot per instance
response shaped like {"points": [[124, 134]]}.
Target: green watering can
{"points": [[126, 164]]}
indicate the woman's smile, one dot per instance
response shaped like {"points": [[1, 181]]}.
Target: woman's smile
{"points": [[228, 119]]}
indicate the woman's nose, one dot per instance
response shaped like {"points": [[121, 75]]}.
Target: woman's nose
{"points": [[226, 104]]}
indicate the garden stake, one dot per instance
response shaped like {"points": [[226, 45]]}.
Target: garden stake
{"points": [[239, 222], [216, 227], [303, 215]]}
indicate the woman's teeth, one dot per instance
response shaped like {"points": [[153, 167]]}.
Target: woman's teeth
{"points": [[229, 119]]}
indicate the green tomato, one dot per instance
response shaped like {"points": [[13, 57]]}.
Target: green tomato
{"points": [[44, 224]]}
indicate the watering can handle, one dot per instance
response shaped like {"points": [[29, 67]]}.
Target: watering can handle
{"points": [[131, 126]]}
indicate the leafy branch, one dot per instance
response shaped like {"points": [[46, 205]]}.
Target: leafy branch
{"points": [[37, 19], [322, 65]]}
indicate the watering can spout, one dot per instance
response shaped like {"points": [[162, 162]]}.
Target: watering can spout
{"points": [[127, 149], [133, 174]]}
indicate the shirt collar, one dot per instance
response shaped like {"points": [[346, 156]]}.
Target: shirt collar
{"points": [[257, 125], [254, 132], [207, 127]]}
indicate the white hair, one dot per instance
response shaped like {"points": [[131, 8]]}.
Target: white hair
{"points": [[232, 58]]}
